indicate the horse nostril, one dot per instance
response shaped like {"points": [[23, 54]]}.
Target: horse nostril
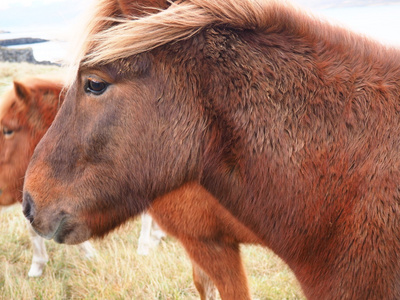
{"points": [[28, 207]]}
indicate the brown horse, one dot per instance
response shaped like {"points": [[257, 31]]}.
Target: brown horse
{"points": [[26, 112], [290, 122]]}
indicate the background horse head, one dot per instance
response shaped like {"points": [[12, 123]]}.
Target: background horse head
{"points": [[26, 112], [291, 123]]}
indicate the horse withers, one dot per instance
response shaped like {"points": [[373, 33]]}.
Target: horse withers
{"points": [[26, 112], [291, 123]]}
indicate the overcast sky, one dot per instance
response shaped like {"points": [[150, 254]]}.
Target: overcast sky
{"points": [[40, 13], [380, 21], [6, 4]]}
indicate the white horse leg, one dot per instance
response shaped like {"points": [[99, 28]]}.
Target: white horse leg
{"points": [[40, 257], [144, 238], [88, 249], [157, 233]]}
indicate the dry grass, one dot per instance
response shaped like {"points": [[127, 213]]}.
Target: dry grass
{"points": [[117, 272], [10, 71]]}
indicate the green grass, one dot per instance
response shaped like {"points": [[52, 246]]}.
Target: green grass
{"points": [[117, 272]]}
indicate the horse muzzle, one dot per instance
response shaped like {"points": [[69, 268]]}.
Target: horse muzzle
{"points": [[54, 224]]}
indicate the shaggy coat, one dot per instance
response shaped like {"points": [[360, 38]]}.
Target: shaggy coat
{"points": [[290, 122]]}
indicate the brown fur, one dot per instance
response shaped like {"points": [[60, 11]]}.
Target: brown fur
{"points": [[291, 123]]}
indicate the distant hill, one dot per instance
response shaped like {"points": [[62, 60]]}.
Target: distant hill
{"points": [[21, 41]]}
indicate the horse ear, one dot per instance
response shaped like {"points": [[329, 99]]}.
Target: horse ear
{"points": [[141, 7], [22, 91]]}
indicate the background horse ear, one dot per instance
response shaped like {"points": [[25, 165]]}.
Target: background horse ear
{"points": [[22, 91], [141, 7]]}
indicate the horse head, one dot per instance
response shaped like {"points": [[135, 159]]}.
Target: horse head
{"points": [[108, 152]]}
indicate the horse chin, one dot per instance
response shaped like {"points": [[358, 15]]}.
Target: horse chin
{"points": [[71, 232], [64, 230]]}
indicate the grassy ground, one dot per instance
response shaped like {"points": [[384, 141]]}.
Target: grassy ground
{"points": [[117, 272], [10, 71]]}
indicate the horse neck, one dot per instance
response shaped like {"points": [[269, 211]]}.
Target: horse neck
{"points": [[263, 88], [270, 77]]}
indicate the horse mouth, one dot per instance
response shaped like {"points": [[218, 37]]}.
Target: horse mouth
{"points": [[53, 233], [65, 231], [59, 229]]}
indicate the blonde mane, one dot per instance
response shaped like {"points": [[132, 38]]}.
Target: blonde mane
{"points": [[107, 38]]}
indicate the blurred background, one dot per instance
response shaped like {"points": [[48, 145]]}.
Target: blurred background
{"points": [[54, 20]]}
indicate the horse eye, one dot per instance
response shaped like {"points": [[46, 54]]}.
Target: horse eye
{"points": [[7, 132], [96, 87]]}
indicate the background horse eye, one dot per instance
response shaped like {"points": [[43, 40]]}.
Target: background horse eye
{"points": [[95, 87], [7, 132]]}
